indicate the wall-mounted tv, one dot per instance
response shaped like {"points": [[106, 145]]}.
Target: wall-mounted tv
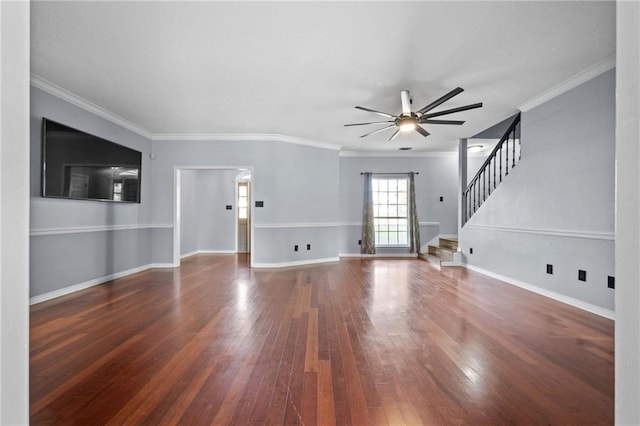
{"points": [[78, 165]]}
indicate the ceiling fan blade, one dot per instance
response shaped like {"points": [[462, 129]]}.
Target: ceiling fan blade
{"points": [[377, 131], [364, 124], [452, 110], [422, 131], [441, 100], [384, 114], [393, 136], [453, 122]]}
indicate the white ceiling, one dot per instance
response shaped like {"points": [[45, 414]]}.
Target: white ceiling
{"points": [[299, 68]]}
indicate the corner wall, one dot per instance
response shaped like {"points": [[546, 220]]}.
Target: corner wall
{"points": [[557, 206]]}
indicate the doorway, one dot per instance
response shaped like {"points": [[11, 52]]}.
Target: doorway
{"points": [[243, 213], [180, 219]]}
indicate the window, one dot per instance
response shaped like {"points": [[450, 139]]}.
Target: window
{"points": [[117, 191], [243, 201], [390, 211]]}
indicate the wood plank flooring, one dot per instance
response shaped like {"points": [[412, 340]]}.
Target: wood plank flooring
{"points": [[362, 342]]}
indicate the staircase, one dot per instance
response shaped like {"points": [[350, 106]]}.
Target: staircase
{"points": [[445, 253], [496, 167]]}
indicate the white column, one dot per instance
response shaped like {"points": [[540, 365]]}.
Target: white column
{"points": [[14, 212], [462, 180], [627, 244]]}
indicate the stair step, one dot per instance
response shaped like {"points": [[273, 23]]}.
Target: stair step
{"points": [[441, 252], [450, 243]]}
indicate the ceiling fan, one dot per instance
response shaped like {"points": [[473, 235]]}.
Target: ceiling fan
{"points": [[408, 120]]}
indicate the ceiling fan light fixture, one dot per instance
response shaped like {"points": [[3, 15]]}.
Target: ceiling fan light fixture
{"points": [[407, 124]]}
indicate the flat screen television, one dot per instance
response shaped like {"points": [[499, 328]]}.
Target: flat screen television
{"points": [[78, 165]]}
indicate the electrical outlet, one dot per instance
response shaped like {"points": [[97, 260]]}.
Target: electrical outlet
{"points": [[229, 207], [549, 269], [308, 246], [611, 282], [359, 242], [582, 275], [441, 199], [295, 248], [470, 250]]}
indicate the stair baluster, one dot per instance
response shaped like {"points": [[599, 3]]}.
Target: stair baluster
{"points": [[477, 187]]}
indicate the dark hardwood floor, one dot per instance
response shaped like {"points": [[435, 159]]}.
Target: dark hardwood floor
{"points": [[362, 341]]}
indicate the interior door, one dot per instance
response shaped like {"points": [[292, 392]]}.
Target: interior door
{"points": [[78, 185], [244, 217]]}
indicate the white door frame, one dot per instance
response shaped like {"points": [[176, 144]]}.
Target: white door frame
{"points": [[176, 206]]}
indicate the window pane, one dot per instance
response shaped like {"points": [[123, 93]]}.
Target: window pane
{"points": [[403, 238], [382, 185], [242, 191], [374, 184], [383, 238], [392, 211], [242, 202], [402, 210], [402, 185], [393, 185], [383, 197], [393, 198], [402, 198], [393, 238], [383, 211]]}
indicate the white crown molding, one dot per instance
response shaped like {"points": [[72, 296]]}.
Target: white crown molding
{"points": [[591, 235], [585, 306], [65, 95], [398, 154], [296, 263], [72, 98], [243, 137], [296, 225], [100, 228], [565, 86]]}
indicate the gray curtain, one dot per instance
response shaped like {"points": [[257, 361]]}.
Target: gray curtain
{"points": [[414, 225], [368, 245]]}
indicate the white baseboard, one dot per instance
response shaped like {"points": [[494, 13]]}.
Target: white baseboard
{"points": [[182, 256], [296, 263], [407, 255], [94, 282], [585, 306], [191, 253], [162, 265], [81, 286]]}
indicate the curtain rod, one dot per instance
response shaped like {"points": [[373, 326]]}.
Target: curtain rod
{"points": [[389, 173]]}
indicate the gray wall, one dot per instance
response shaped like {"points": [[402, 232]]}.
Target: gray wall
{"points": [[557, 206], [61, 256], [437, 177], [298, 185], [216, 190], [206, 225], [188, 212]]}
